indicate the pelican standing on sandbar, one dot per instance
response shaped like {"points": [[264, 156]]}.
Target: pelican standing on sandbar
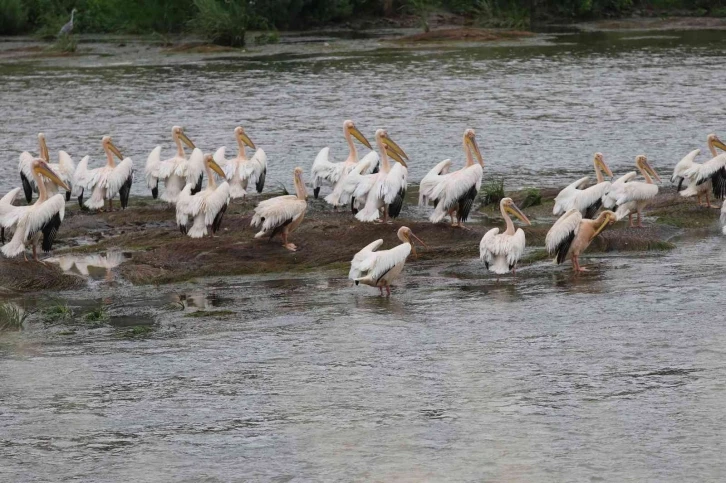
{"points": [[207, 207], [381, 269], [454, 192], [106, 182], [176, 172], [42, 219], [572, 234], [389, 184], [586, 200], [240, 171], [634, 196], [500, 252], [64, 168], [283, 214], [324, 170], [713, 170]]}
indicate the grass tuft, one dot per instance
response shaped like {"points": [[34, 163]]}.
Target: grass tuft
{"points": [[57, 313], [138, 331], [65, 43], [221, 22], [12, 316], [98, 314], [532, 198], [493, 191], [210, 313], [271, 37]]}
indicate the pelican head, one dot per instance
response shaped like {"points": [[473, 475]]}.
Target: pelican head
{"points": [[44, 154], [108, 145], [605, 219], [209, 161], [642, 163], [42, 168], [299, 183], [177, 132], [600, 164], [242, 138], [472, 145], [350, 128], [393, 149], [715, 141], [405, 235], [509, 207]]}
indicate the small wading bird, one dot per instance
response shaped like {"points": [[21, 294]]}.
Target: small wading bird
{"points": [[381, 269], [68, 27], [240, 171], [713, 170], [586, 200], [64, 169], [176, 172], [633, 196], [324, 170], [283, 214], [207, 207], [106, 182], [42, 219], [388, 185], [454, 192], [572, 234], [688, 165], [500, 252]]}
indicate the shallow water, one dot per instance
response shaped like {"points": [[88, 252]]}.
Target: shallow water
{"points": [[614, 375]]}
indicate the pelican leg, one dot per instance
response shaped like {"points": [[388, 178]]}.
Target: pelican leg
{"points": [[630, 220], [388, 290], [699, 199], [385, 215], [708, 202], [381, 289], [576, 265], [110, 204], [286, 244], [451, 214], [640, 223], [35, 252]]}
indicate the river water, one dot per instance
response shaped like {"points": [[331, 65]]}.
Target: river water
{"points": [[618, 374]]}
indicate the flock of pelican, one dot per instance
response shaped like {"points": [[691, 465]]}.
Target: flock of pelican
{"points": [[373, 185]]}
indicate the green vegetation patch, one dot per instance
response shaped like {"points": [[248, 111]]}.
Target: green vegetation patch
{"points": [[12, 316]]}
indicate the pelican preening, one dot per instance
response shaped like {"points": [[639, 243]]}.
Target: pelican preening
{"points": [[206, 207], [381, 269], [106, 182], [713, 170], [39, 220], [572, 234], [240, 171], [324, 170], [282, 214], [388, 186], [176, 172], [586, 200], [634, 196], [500, 252], [64, 169], [454, 192]]}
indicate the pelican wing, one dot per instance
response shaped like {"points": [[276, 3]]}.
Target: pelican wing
{"points": [[431, 180], [255, 170], [611, 197], [487, 246], [25, 166], [385, 260], [192, 169], [219, 157], [152, 168], [185, 207], [363, 260], [324, 169], [565, 199], [45, 217], [560, 236], [65, 167], [458, 188], [589, 200], [119, 181], [356, 183], [371, 161], [637, 191], [394, 183], [684, 165], [10, 214], [278, 213], [215, 203]]}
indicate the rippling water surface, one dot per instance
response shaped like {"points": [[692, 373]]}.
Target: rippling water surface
{"points": [[618, 374]]}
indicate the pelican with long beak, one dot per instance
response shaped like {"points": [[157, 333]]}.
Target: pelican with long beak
{"points": [[454, 192], [240, 171], [207, 207], [381, 269], [41, 220], [106, 182], [64, 169], [324, 170], [702, 178], [176, 172], [501, 252], [632, 197], [283, 214], [389, 184], [572, 234], [586, 200]]}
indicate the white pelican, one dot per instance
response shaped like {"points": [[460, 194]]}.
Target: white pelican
{"points": [[207, 207], [501, 252], [6, 206], [572, 234], [104, 183], [586, 200], [381, 269], [389, 184], [325, 170], [609, 199], [240, 171], [42, 219], [634, 196], [282, 214], [454, 192], [354, 187], [64, 168], [712, 172], [176, 172]]}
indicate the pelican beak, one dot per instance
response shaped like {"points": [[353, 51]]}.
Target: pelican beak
{"points": [[604, 167], [717, 143], [359, 136], [44, 153], [395, 147], [650, 169], [515, 211], [245, 139], [186, 140], [474, 146], [45, 170], [216, 168], [112, 147], [609, 220], [394, 155], [413, 246]]}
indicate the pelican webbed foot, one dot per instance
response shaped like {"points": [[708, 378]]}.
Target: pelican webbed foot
{"points": [[290, 246]]}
